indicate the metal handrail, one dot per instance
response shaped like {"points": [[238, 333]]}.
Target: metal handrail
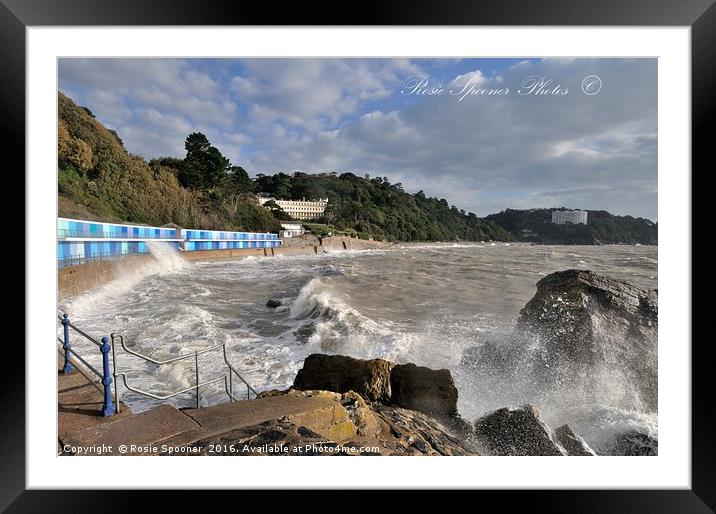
{"points": [[73, 260], [108, 408], [158, 362], [80, 332], [231, 368], [228, 386], [77, 356], [65, 233], [106, 378], [91, 380], [158, 397]]}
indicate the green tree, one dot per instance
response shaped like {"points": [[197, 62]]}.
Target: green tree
{"points": [[236, 186], [171, 163], [277, 212], [238, 180], [204, 166]]}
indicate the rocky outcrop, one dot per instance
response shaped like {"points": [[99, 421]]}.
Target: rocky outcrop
{"points": [[632, 443], [423, 389], [357, 410], [272, 304], [572, 444], [514, 432], [586, 325], [358, 428], [583, 340], [340, 374]]}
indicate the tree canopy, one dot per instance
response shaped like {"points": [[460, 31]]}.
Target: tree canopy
{"points": [[204, 166]]}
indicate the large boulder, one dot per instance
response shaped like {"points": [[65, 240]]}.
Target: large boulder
{"points": [[340, 374], [514, 432], [595, 333], [573, 444], [426, 390], [632, 443]]}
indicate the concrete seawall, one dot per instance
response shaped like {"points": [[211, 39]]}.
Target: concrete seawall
{"points": [[74, 280]]}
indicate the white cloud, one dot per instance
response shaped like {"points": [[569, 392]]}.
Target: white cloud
{"points": [[317, 92]]}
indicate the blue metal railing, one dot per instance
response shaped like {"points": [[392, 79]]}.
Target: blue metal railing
{"points": [[64, 233], [76, 260], [109, 376], [105, 377]]}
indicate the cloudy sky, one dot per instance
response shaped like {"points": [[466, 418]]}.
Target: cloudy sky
{"points": [[529, 147]]}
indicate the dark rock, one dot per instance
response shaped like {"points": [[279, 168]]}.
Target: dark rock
{"points": [[272, 304], [423, 389], [369, 378], [407, 430], [421, 445], [571, 442], [271, 392], [581, 326], [514, 432], [307, 432], [633, 443]]}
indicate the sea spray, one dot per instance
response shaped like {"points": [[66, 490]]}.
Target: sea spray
{"points": [[166, 256], [128, 274]]}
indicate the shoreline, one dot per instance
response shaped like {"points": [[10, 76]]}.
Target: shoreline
{"points": [[75, 280]]}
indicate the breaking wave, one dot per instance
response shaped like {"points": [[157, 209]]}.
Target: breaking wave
{"points": [[327, 323]]}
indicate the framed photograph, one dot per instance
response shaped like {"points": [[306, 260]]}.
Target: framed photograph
{"points": [[456, 240]]}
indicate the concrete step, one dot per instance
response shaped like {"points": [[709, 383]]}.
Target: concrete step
{"points": [[79, 402], [140, 433]]}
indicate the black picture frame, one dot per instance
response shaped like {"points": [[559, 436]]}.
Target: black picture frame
{"points": [[17, 15]]}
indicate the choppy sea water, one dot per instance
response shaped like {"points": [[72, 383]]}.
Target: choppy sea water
{"points": [[421, 303]]}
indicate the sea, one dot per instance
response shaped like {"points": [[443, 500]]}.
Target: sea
{"points": [[420, 303]]}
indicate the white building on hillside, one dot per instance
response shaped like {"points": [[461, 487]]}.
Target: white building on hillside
{"points": [[300, 209], [291, 230], [575, 217]]}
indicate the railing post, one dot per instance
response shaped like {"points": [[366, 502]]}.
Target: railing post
{"points": [[67, 345], [196, 364], [114, 374], [231, 388], [108, 407]]}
